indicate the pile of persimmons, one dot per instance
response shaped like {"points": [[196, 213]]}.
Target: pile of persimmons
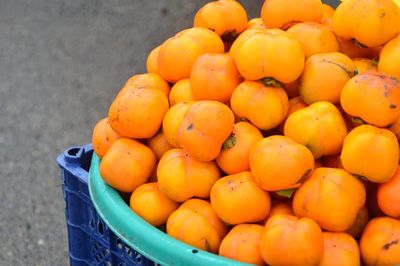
{"points": [[269, 141]]}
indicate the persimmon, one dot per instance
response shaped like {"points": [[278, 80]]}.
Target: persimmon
{"points": [[384, 89], [315, 38], [145, 81], [371, 152], [283, 14], [196, 224], [247, 202], [127, 164], [327, 12], [152, 61], [314, 198], [287, 234], [225, 17], [320, 127], [103, 136], [291, 88], [356, 229], [270, 155], [364, 64], [172, 120], [151, 204], [159, 145], [324, 77], [256, 57], [181, 92], [295, 103], [177, 54], [370, 22], [332, 161], [214, 77], [388, 196], [340, 249], [353, 49], [389, 59], [205, 127], [395, 128], [234, 156], [181, 177], [242, 243], [380, 244], [138, 113], [252, 100]]}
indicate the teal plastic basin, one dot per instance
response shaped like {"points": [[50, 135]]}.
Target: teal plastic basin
{"points": [[140, 235]]}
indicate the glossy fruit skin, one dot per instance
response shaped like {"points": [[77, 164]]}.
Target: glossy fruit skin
{"points": [[237, 199], [181, 92], [314, 199], [356, 229], [145, 81], [340, 249], [389, 59], [152, 61], [384, 89], [280, 207], [159, 145], [315, 38], [324, 77], [256, 58], [192, 43], [283, 14], [196, 224], [138, 114], [299, 237], [379, 244], [371, 22], [172, 120], [388, 196], [242, 244], [320, 127], [151, 204], [127, 164], [364, 64], [205, 127], [270, 155], [234, 156], [103, 137], [252, 100], [181, 177], [225, 17], [214, 77], [371, 152]]}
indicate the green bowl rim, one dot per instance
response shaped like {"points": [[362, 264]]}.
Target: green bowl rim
{"points": [[140, 235]]}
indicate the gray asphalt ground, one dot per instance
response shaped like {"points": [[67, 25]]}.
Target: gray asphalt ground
{"points": [[61, 64]]}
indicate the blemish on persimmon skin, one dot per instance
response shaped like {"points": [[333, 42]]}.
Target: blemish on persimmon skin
{"points": [[391, 243], [190, 127]]}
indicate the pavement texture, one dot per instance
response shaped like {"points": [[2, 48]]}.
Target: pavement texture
{"points": [[61, 64]]}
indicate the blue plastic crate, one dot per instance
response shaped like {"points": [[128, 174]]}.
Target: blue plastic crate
{"points": [[89, 239]]}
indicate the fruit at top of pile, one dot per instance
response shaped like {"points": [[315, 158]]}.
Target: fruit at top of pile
{"points": [[384, 109], [320, 127], [283, 14], [256, 58], [370, 22], [315, 38], [371, 152], [324, 77], [177, 54], [273, 140], [314, 199], [225, 17], [237, 199], [269, 156], [252, 100]]}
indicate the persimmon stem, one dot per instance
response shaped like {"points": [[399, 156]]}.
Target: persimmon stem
{"points": [[229, 142], [287, 193], [270, 82]]}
